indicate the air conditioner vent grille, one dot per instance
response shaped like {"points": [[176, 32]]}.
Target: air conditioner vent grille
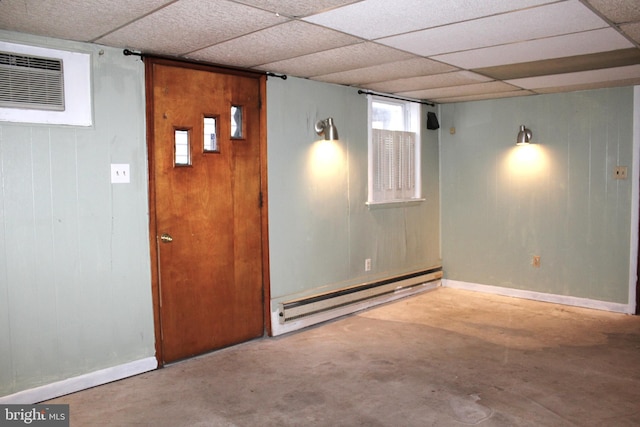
{"points": [[31, 82]]}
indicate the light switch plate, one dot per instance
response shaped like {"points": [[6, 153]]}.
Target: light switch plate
{"points": [[120, 173]]}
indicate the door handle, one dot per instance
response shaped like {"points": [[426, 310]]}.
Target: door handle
{"points": [[166, 238]]}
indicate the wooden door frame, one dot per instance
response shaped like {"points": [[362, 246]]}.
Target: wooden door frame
{"points": [[150, 61]]}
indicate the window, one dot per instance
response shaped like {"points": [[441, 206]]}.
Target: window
{"points": [[236, 122], [394, 151], [182, 149], [211, 135]]}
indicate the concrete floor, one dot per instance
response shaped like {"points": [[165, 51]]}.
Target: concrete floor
{"points": [[442, 358]]}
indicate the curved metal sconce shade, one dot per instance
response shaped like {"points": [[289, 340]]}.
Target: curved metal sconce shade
{"points": [[327, 128], [524, 136]]}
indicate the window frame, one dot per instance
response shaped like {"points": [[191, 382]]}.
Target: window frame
{"points": [[412, 123]]}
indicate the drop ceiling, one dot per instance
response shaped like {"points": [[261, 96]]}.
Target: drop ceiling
{"points": [[441, 51]]}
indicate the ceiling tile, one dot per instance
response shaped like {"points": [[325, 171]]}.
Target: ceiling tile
{"points": [[288, 40], [335, 60], [600, 40], [72, 19], [296, 8], [582, 77], [428, 82], [632, 30], [483, 96], [590, 86], [172, 30], [328, 40], [473, 89], [543, 21], [390, 71], [594, 61], [373, 19], [618, 11]]}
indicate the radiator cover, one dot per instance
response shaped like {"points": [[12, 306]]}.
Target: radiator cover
{"points": [[303, 307]]}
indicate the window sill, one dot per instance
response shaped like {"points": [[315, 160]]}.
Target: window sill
{"points": [[394, 203]]}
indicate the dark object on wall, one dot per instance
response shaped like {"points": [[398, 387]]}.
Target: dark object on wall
{"points": [[432, 121]]}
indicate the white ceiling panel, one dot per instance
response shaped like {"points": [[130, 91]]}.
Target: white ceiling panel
{"points": [[189, 25], [296, 8], [372, 19], [465, 90], [428, 82], [581, 77], [53, 18], [341, 59], [543, 21], [389, 71], [294, 38], [590, 86], [632, 30], [483, 96], [619, 11], [583, 43]]}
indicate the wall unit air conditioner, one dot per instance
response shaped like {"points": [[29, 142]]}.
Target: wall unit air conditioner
{"points": [[43, 85], [32, 82]]}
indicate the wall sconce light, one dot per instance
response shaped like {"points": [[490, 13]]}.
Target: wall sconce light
{"points": [[524, 136], [327, 128]]}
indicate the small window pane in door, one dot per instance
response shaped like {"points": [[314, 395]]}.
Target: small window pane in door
{"points": [[182, 151], [211, 135], [236, 122]]}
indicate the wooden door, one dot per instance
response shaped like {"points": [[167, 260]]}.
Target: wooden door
{"points": [[205, 173]]}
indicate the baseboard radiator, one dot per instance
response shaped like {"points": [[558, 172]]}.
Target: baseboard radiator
{"points": [[303, 307]]}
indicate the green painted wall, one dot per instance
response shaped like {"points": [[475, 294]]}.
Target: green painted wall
{"points": [[75, 292], [321, 230], [503, 204], [75, 286]]}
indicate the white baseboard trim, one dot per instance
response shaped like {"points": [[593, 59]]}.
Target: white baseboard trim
{"points": [[278, 328], [82, 382], [540, 296]]}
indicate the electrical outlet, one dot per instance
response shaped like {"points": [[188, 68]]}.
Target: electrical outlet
{"points": [[367, 264], [620, 172], [120, 173], [536, 261]]}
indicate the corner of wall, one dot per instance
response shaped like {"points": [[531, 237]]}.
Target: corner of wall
{"points": [[635, 204]]}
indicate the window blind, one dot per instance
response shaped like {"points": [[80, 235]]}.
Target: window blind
{"points": [[393, 165]]}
